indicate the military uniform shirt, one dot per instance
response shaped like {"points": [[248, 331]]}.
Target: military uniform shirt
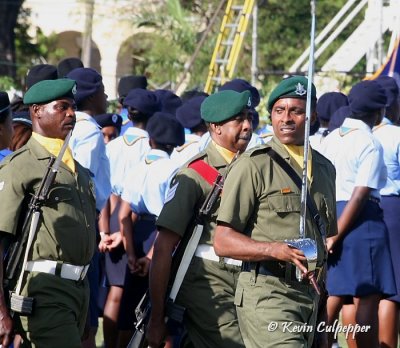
{"points": [[389, 136], [260, 199], [87, 145], [125, 152], [66, 228], [187, 192], [357, 157], [145, 191]]}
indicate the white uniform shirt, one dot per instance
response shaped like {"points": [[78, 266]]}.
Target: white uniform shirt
{"points": [[125, 152], [389, 136], [317, 138], [146, 190], [184, 153], [357, 157], [87, 146]]}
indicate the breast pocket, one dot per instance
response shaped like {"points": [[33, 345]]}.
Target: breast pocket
{"points": [[284, 204], [58, 194]]}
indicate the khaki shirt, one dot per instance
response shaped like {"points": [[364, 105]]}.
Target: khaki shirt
{"points": [[66, 229], [191, 191], [262, 201]]}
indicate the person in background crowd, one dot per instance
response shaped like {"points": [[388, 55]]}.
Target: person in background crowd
{"points": [[6, 129], [125, 85], [22, 125], [66, 65], [169, 101], [39, 73], [260, 210], [359, 264], [124, 152], [65, 234], [189, 117], [207, 291], [327, 104], [388, 134], [89, 150], [110, 126], [142, 201]]}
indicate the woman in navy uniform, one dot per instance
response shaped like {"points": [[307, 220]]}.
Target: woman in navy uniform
{"points": [[388, 134], [359, 264]]}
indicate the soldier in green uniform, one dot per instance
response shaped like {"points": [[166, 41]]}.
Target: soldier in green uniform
{"points": [[207, 291], [64, 241], [260, 209]]}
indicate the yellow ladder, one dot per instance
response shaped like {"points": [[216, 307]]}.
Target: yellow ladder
{"points": [[229, 42]]}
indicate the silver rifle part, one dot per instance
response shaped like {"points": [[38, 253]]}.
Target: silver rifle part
{"points": [[307, 245]]}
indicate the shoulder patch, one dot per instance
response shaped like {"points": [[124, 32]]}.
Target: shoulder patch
{"points": [[171, 193], [131, 139]]}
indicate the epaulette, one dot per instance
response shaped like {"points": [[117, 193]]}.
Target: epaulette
{"points": [[184, 146], [14, 155], [131, 139], [198, 156], [256, 150]]}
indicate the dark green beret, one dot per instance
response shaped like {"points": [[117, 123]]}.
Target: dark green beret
{"points": [[223, 105], [48, 90], [292, 87]]}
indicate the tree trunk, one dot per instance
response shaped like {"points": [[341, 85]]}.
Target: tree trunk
{"points": [[9, 10]]}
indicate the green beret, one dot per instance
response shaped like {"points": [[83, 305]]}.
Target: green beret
{"points": [[48, 90], [223, 105], [292, 87]]}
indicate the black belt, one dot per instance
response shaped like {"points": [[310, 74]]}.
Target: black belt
{"points": [[275, 269], [271, 268]]}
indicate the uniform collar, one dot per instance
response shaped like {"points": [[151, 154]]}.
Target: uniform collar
{"points": [[385, 122], [83, 116], [154, 155], [214, 157], [136, 131]]}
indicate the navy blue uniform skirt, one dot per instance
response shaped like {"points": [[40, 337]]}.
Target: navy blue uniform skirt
{"points": [[391, 215], [361, 264]]}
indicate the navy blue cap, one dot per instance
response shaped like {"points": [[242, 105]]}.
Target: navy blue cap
{"points": [[127, 83], [367, 96], [240, 85], [39, 73], [65, 66], [338, 117], [165, 129], [189, 113], [107, 120], [4, 101], [328, 103], [143, 100], [88, 82], [169, 100], [22, 117], [390, 86]]}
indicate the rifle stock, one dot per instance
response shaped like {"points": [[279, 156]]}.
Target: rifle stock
{"points": [[174, 312]]}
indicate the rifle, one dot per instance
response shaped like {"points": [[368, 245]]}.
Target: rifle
{"points": [[20, 304], [180, 263]]}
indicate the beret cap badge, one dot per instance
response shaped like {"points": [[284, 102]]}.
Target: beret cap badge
{"points": [[300, 90]]}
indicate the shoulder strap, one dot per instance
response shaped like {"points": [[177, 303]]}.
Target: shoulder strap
{"points": [[297, 180], [207, 172]]}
